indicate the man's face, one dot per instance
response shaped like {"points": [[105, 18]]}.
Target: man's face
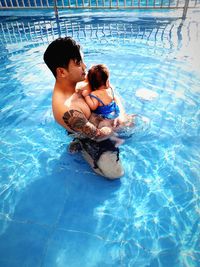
{"points": [[76, 70]]}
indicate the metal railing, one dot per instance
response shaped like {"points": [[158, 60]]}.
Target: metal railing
{"points": [[99, 4], [92, 4], [38, 32]]}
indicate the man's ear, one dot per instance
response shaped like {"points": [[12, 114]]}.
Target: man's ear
{"points": [[60, 72]]}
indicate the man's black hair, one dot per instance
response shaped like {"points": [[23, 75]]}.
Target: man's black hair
{"points": [[59, 53]]}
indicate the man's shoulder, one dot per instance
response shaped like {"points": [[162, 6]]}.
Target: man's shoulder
{"points": [[76, 100]]}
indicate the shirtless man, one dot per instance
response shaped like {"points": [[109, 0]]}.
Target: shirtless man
{"points": [[64, 58]]}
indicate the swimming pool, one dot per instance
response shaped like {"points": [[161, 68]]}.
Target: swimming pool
{"points": [[54, 211]]}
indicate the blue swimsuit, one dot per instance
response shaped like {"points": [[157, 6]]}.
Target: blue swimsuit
{"points": [[110, 111]]}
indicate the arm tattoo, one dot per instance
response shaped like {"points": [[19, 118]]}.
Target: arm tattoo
{"points": [[77, 121]]}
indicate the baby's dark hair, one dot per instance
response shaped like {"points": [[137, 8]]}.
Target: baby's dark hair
{"points": [[59, 53], [98, 76]]}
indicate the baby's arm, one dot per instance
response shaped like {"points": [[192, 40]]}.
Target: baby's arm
{"points": [[91, 101], [83, 86], [85, 89]]}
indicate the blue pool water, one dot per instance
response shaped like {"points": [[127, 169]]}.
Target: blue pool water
{"points": [[54, 211]]}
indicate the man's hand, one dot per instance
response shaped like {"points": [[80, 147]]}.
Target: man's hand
{"points": [[104, 133]]}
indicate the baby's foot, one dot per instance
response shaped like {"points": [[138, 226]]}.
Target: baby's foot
{"points": [[119, 142]]}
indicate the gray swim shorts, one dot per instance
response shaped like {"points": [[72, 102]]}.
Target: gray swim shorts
{"points": [[102, 156]]}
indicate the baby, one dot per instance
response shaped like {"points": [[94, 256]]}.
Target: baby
{"points": [[99, 95]]}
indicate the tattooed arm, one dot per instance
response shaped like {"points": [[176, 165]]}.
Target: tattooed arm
{"points": [[77, 122]]}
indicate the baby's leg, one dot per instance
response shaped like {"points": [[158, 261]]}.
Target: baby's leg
{"points": [[118, 141]]}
